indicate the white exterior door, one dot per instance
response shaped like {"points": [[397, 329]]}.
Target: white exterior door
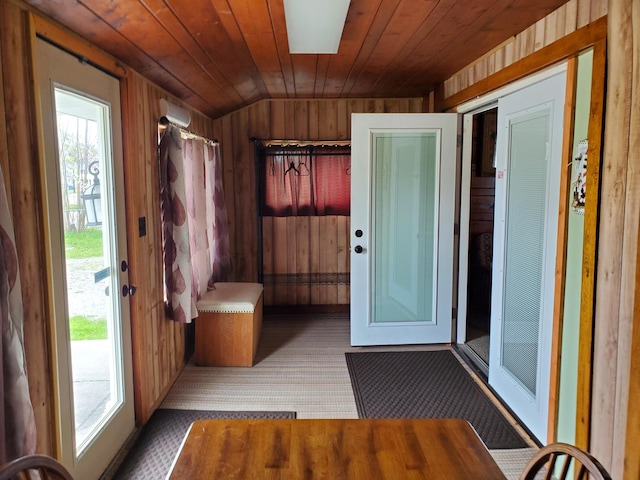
{"points": [[87, 253], [529, 162], [403, 184]]}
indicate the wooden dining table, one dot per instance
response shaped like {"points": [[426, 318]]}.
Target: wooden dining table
{"points": [[367, 449]]}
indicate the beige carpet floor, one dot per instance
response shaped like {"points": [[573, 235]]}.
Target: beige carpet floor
{"points": [[300, 366]]}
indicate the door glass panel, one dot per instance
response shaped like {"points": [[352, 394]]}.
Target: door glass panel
{"points": [[524, 246], [91, 274], [404, 220]]}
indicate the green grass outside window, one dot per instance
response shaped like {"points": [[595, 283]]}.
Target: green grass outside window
{"points": [[83, 328], [85, 244]]}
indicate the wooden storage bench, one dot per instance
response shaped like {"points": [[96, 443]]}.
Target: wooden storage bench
{"points": [[229, 324]]}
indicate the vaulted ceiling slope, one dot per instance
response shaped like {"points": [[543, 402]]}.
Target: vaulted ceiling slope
{"points": [[220, 55]]}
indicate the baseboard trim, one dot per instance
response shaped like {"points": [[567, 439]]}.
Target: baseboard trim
{"points": [[300, 309]]}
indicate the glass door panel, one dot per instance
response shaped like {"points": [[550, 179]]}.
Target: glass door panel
{"points": [[405, 194], [524, 247], [91, 273]]}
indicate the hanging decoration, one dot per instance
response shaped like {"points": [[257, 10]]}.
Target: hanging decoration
{"points": [[580, 179]]}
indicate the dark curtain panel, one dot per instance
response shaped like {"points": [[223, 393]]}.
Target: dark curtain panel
{"points": [[332, 192]]}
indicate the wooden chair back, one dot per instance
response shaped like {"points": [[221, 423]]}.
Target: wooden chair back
{"points": [[557, 458], [34, 467]]}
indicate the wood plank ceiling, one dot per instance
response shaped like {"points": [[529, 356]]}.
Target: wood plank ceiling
{"points": [[220, 55]]}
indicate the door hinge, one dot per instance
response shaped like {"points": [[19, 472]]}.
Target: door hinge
{"points": [[456, 229], [454, 313], [459, 140]]}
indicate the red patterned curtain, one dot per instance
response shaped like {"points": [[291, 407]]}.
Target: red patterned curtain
{"points": [[332, 184], [305, 181], [287, 185]]}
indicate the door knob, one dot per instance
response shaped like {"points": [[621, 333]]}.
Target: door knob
{"points": [[129, 290], [358, 249]]}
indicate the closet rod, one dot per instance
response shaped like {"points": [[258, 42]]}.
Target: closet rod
{"points": [[303, 154], [301, 143], [164, 123]]}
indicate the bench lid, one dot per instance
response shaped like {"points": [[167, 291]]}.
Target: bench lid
{"points": [[231, 297]]}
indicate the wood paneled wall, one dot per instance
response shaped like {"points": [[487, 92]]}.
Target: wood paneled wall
{"points": [[327, 119], [159, 344], [615, 434], [295, 248], [482, 200], [560, 23]]}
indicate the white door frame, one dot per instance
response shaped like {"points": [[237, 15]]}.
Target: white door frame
{"points": [[465, 214]]}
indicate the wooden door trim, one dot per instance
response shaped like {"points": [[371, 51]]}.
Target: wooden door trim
{"points": [[590, 247], [72, 44], [561, 249], [562, 49]]}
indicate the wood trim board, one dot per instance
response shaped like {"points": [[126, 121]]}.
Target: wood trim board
{"points": [[559, 50], [590, 247], [561, 248]]}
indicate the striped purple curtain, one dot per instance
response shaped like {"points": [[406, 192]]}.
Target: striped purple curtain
{"points": [[18, 422], [207, 214], [194, 169], [217, 221]]}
